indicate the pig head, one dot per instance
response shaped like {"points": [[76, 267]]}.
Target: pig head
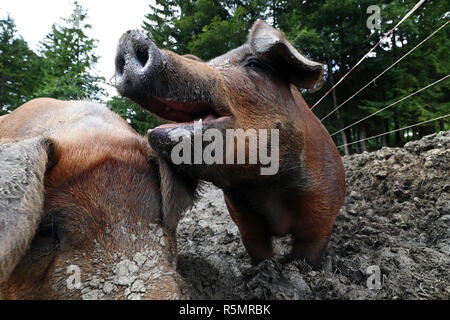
{"points": [[251, 90], [87, 210]]}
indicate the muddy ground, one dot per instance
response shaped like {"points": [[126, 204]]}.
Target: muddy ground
{"points": [[396, 218]]}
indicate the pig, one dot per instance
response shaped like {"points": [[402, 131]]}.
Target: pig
{"points": [[87, 209], [251, 87]]}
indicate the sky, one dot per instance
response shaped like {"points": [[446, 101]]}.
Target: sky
{"points": [[109, 20]]}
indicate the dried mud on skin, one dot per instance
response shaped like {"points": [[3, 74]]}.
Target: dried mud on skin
{"points": [[396, 216]]}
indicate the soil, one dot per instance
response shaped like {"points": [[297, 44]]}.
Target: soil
{"points": [[390, 241]]}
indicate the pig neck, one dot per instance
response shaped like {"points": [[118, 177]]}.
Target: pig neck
{"points": [[275, 206]]}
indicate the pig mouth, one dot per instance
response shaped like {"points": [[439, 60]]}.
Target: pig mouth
{"points": [[181, 113]]}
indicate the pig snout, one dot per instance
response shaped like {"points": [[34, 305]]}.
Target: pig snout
{"points": [[137, 61], [177, 88]]}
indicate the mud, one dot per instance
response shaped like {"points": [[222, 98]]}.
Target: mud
{"points": [[390, 241]]}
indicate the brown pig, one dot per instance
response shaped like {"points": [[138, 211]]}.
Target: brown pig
{"points": [[252, 87], [87, 210]]}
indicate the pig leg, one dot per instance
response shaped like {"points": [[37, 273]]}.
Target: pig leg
{"points": [[311, 249], [257, 240], [311, 237], [316, 212], [259, 247]]}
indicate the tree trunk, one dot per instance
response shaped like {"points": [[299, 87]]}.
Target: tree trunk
{"points": [[397, 133], [362, 135], [338, 116], [398, 139], [343, 135], [384, 138], [347, 136], [356, 145]]}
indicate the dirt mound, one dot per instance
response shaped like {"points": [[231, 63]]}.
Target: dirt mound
{"points": [[390, 241]]}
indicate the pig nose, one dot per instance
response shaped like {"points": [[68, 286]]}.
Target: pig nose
{"points": [[137, 58]]}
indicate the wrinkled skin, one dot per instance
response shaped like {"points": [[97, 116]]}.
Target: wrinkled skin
{"points": [[106, 208], [250, 87]]}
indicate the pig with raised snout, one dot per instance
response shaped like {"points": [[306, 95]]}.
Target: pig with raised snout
{"points": [[252, 87], [87, 209]]}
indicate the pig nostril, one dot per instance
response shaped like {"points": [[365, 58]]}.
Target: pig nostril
{"points": [[120, 65], [141, 54]]}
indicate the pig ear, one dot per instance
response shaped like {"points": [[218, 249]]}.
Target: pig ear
{"points": [[271, 45], [22, 169], [176, 193]]}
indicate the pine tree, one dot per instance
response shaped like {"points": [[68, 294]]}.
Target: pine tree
{"points": [[205, 28], [69, 60], [19, 68], [335, 31]]}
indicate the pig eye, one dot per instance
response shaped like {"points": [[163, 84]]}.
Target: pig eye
{"points": [[254, 63], [48, 229]]}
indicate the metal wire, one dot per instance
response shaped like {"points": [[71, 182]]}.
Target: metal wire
{"points": [[404, 128], [374, 79], [418, 4], [392, 104]]}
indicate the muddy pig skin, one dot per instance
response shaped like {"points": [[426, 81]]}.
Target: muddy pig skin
{"points": [[87, 209]]}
